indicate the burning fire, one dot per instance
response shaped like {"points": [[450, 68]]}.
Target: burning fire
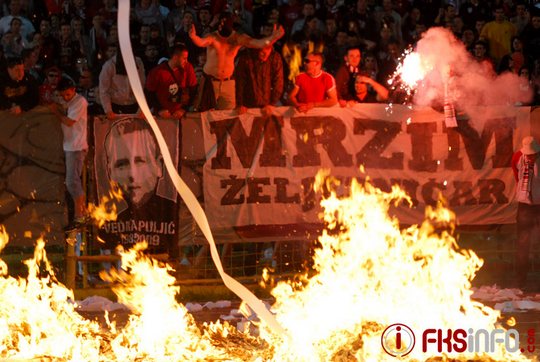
{"points": [[38, 319], [292, 53], [106, 209], [313, 47], [159, 328], [368, 274]]}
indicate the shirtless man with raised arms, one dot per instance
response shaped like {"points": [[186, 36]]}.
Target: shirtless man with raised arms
{"points": [[217, 88]]}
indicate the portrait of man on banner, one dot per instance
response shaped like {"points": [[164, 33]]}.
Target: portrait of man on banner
{"points": [[131, 158]]}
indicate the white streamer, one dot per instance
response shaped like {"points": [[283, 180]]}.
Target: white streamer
{"points": [[189, 198]]}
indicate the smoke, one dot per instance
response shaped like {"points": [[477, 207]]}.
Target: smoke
{"points": [[470, 83]]}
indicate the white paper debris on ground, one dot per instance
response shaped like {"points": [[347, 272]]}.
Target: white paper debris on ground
{"points": [[193, 307], [234, 314], [218, 304], [97, 304], [243, 326], [517, 305], [495, 294], [223, 304]]}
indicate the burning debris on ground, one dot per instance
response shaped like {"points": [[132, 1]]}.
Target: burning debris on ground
{"points": [[365, 279]]}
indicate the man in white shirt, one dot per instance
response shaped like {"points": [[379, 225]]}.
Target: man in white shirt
{"points": [[74, 125], [115, 92]]}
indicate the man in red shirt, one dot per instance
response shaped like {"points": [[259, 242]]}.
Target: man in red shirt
{"points": [[172, 84], [314, 87]]}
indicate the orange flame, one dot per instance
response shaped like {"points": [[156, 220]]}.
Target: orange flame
{"points": [[106, 210], [4, 239], [368, 274], [371, 274], [292, 53], [159, 327], [315, 48], [38, 319], [293, 56]]}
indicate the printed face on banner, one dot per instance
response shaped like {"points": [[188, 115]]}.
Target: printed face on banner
{"points": [[127, 154], [133, 162]]}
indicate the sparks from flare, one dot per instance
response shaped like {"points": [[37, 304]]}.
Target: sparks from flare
{"points": [[410, 72]]}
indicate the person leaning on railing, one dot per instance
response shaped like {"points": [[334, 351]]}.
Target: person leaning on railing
{"points": [[171, 86], [366, 90], [115, 92], [260, 80], [346, 73], [313, 87]]}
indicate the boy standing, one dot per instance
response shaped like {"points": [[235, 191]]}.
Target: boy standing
{"points": [[74, 125]]}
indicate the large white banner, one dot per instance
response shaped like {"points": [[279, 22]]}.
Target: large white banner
{"points": [[259, 172]]}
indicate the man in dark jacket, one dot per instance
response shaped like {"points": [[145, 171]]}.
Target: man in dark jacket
{"points": [[346, 74], [18, 92], [260, 80]]}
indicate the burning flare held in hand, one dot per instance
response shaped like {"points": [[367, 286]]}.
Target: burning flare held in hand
{"points": [[440, 68]]}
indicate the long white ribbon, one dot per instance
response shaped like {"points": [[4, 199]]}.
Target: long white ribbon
{"points": [[189, 198]]}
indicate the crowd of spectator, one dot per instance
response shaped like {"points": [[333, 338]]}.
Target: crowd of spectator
{"points": [[197, 55], [236, 54]]}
